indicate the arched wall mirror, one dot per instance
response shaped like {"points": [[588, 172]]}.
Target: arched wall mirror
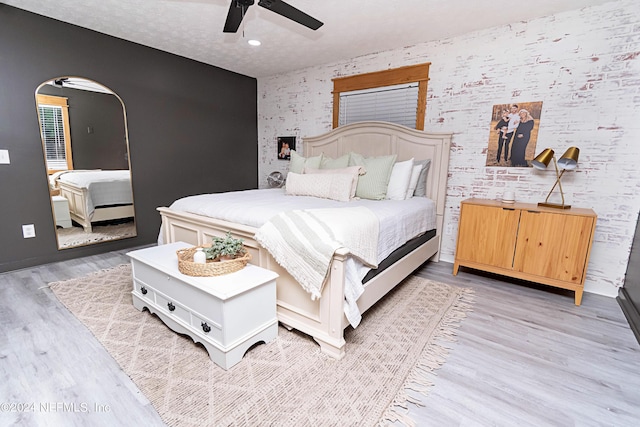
{"points": [[85, 142]]}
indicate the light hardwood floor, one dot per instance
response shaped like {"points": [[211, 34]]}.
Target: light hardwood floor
{"points": [[525, 356]]}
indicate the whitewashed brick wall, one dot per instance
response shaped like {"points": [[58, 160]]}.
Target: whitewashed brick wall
{"points": [[584, 66]]}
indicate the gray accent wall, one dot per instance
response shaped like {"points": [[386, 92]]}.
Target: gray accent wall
{"points": [[192, 128]]}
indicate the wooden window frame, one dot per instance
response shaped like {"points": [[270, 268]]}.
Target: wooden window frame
{"points": [[58, 101], [410, 74]]}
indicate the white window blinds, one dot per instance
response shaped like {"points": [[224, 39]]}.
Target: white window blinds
{"points": [[53, 130], [396, 104]]}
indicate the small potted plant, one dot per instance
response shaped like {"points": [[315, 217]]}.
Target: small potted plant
{"points": [[225, 248]]}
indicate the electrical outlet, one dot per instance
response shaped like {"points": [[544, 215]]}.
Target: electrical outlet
{"points": [[28, 231], [449, 229], [4, 157]]}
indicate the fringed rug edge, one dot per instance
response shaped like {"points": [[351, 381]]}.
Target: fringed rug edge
{"points": [[432, 358]]}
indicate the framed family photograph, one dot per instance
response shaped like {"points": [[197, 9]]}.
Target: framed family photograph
{"points": [[514, 134], [285, 145]]}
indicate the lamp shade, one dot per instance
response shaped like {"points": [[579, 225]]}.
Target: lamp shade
{"points": [[543, 159], [569, 159]]}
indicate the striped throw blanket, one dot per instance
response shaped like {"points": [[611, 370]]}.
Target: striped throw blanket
{"points": [[303, 241]]}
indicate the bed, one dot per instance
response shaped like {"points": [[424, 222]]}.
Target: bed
{"points": [[324, 318], [96, 195]]}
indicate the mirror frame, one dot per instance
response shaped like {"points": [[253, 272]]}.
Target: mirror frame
{"points": [[46, 166]]}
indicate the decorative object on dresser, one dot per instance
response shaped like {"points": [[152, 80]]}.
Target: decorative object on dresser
{"points": [[526, 241], [211, 310], [568, 161], [509, 196]]}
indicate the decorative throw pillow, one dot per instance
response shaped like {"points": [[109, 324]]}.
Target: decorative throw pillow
{"points": [[421, 186], [413, 181], [352, 171], [399, 180], [339, 163], [333, 186], [298, 163], [373, 184]]}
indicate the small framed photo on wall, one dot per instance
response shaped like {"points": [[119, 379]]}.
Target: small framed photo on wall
{"points": [[514, 134], [285, 145]]}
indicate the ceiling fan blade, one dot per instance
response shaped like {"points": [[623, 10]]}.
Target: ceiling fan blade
{"points": [[234, 17], [288, 11]]}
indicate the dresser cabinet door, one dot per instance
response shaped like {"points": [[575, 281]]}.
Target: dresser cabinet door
{"points": [[487, 235], [553, 245]]}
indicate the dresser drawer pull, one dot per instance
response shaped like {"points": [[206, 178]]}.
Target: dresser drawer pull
{"points": [[170, 306], [206, 328], [143, 290], [508, 209]]}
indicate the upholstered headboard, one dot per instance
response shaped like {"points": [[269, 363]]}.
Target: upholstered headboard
{"points": [[373, 139]]}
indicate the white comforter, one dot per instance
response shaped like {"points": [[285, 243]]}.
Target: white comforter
{"points": [[400, 221]]}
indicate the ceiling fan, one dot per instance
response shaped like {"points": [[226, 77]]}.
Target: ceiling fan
{"points": [[238, 8]]}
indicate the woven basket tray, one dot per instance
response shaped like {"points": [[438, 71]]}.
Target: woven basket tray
{"points": [[211, 268]]}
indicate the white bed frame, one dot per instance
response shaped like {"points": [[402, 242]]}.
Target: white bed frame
{"points": [[77, 197], [324, 319]]}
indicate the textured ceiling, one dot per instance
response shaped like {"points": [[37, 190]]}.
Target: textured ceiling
{"points": [[193, 28]]}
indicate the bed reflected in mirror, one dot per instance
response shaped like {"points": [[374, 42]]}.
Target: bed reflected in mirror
{"points": [[85, 143]]}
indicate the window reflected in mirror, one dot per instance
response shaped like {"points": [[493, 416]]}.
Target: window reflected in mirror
{"points": [[85, 144]]}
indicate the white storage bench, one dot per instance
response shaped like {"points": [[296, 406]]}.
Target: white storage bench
{"points": [[227, 314], [61, 211]]}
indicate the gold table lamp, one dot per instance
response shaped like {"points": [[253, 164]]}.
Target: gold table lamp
{"points": [[568, 161]]}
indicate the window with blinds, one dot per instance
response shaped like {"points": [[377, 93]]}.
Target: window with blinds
{"points": [[53, 112], [52, 128], [397, 95], [396, 104]]}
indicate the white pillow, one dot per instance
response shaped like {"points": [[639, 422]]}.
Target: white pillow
{"points": [[413, 182], [399, 181], [334, 186], [352, 171]]}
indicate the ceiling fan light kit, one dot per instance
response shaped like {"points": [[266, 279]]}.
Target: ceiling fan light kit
{"points": [[238, 8]]}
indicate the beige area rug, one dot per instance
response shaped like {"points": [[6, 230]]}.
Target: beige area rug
{"points": [[287, 382], [75, 236]]}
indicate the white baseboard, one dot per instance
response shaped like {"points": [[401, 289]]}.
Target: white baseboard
{"points": [[601, 289]]}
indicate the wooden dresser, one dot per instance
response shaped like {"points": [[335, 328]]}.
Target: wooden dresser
{"points": [[525, 241]]}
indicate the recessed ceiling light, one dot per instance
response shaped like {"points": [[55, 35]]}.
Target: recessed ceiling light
{"points": [[254, 42]]}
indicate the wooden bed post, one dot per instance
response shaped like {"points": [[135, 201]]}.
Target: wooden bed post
{"points": [[332, 309]]}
